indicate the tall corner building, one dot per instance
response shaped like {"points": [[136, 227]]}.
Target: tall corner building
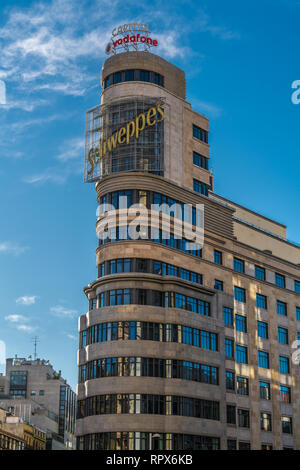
{"points": [[182, 349]]}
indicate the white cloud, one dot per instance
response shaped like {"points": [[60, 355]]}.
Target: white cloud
{"points": [[72, 337], [208, 109], [15, 318], [27, 300], [52, 175], [26, 328], [63, 312], [12, 248], [50, 45], [18, 322], [72, 149]]}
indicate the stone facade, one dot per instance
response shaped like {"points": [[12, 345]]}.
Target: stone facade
{"points": [[234, 231]]}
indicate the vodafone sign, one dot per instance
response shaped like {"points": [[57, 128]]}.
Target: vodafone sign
{"points": [[133, 36]]}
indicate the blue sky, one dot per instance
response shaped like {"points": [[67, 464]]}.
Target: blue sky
{"points": [[240, 60]]}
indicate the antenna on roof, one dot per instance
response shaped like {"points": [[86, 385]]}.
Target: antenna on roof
{"points": [[35, 341]]}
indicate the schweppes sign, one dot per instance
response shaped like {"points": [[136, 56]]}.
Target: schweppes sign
{"points": [[125, 134]]}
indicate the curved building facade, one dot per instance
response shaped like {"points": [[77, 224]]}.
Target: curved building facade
{"points": [[169, 349]]}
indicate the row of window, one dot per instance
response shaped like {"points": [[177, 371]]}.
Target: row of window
{"points": [[133, 75], [146, 441], [151, 297], [241, 386], [121, 233], [239, 322], [165, 204], [148, 367], [261, 302], [241, 417], [241, 356], [135, 330], [136, 403], [143, 265], [259, 271]]}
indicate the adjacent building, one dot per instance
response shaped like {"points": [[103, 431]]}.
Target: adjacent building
{"points": [[181, 349], [15, 434], [40, 396]]}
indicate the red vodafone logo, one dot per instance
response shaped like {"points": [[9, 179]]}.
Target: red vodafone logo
{"points": [[135, 38]]}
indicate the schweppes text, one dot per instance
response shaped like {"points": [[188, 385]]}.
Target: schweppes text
{"points": [[131, 130]]}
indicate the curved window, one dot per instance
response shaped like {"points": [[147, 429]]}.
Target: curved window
{"points": [[148, 367], [148, 331], [136, 75], [181, 244], [136, 403], [127, 440], [151, 297], [143, 265], [165, 204]]}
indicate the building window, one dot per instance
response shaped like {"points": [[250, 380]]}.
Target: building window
{"points": [[238, 265], [298, 313], [242, 385], [241, 354], [228, 316], [148, 404], [266, 447], [133, 75], [265, 421], [200, 134], [285, 394], [218, 257], [262, 329], [42, 392], [261, 301], [284, 365], [243, 418], [241, 323], [200, 160], [229, 348], [218, 284], [286, 425], [239, 294], [231, 444], [264, 390], [297, 287], [230, 384], [263, 359], [279, 280], [281, 308], [260, 273], [200, 187], [244, 445], [231, 414], [283, 335]]}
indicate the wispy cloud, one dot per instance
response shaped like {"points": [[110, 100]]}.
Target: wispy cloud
{"points": [[27, 300], [19, 322], [72, 149], [208, 109], [26, 328], [52, 175], [12, 248], [72, 337], [63, 312], [15, 318], [49, 46], [70, 156]]}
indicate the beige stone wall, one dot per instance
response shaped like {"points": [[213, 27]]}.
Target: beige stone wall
{"points": [[233, 239], [174, 78]]}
